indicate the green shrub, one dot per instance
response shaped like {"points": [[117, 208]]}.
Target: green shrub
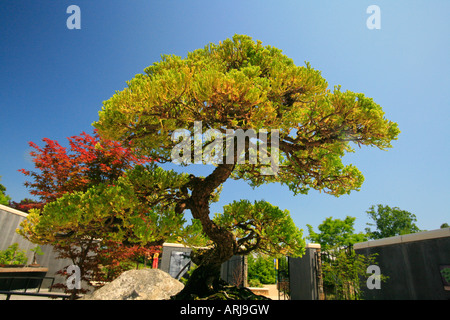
{"points": [[255, 283], [13, 255], [446, 274]]}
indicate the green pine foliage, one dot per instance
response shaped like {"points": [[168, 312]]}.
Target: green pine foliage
{"points": [[13, 255]]}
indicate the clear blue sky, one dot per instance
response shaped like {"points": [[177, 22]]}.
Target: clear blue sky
{"points": [[53, 81]]}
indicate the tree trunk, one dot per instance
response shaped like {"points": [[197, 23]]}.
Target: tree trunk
{"points": [[205, 279], [203, 282]]}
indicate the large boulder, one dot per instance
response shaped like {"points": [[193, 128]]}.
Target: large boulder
{"points": [[145, 284]]}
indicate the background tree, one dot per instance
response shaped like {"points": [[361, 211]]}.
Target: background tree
{"points": [[86, 227], [115, 258], [444, 225], [26, 204], [89, 161], [344, 271], [261, 270], [241, 84], [342, 267], [390, 222], [4, 199], [336, 232]]}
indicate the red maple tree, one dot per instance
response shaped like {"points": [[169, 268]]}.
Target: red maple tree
{"points": [[89, 161], [117, 257], [25, 205]]}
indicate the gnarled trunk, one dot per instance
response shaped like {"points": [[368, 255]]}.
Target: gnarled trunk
{"points": [[205, 279]]}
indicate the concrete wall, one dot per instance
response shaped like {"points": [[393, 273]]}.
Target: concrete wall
{"points": [[234, 271], [168, 249], [10, 220], [413, 263], [302, 275]]}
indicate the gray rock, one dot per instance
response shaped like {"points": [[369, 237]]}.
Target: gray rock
{"points": [[145, 284]]}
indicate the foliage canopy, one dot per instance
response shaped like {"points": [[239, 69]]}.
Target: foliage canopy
{"points": [[241, 84], [390, 222]]}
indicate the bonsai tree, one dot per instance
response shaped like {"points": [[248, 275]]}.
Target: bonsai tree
{"points": [[260, 270], [238, 88], [37, 251], [13, 255]]}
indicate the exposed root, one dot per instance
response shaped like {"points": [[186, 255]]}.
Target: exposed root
{"points": [[228, 292]]}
